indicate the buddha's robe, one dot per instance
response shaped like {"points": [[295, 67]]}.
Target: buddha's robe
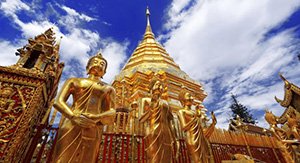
{"points": [[196, 143], [75, 143], [160, 137]]}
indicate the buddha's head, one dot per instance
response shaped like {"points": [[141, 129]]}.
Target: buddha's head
{"points": [[186, 99], [156, 88], [96, 65]]}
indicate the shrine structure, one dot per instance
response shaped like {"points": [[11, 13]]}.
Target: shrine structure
{"points": [[27, 92]]}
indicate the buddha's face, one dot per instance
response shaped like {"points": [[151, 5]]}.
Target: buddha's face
{"points": [[157, 89], [97, 67], [188, 99]]}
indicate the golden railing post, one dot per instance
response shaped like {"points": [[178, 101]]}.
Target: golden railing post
{"points": [[273, 149], [246, 143]]}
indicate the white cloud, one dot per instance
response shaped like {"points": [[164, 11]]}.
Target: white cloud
{"points": [[10, 7], [270, 56], [34, 28], [78, 43], [224, 45], [115, 54], [72, 19], [7, 53], [177, 12], [74, 13]]}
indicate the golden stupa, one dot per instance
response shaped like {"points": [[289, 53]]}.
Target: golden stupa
{"points": [[152, 112]]}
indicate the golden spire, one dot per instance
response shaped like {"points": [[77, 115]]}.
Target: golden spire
{"points": [[148, 16], [148, 33], [150, 52], [150, 55]]}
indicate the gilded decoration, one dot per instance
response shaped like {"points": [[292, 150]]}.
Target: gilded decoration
{"points": [[27, 89], [286, 127], [13, 104]]}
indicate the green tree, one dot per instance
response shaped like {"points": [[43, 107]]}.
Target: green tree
{"points": [[238, 109]]}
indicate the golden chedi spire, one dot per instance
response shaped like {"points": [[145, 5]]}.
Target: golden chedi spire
{"points": [[150, 55], [150, 58]]}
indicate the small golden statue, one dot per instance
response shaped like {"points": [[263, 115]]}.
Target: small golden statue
{"points": [[80, 134], [292, 123], [273, 121], [190, 123], [6, 104], [237, 124], [160, 138], [134, 117]]}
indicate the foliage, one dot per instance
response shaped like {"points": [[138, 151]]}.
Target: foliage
{"points": [[241, 110]]}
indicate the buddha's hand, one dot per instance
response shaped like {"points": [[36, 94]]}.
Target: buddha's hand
{"points": [[106, 117], [92, 116], [83, 121]]}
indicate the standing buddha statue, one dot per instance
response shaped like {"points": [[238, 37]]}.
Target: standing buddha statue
{"points": [[190, 123], [160, 137], [93, 105]]}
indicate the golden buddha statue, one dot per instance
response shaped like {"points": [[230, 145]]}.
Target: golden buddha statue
{"points": [[80, 134], [190, 123], [160, 136]]}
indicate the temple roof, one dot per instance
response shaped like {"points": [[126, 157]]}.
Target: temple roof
{"points": [[291, 99], [151, 55]]}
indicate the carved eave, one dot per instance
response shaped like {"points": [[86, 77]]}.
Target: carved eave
{"points": [[289, 90], [295, 89], [291, 93], [282, 119], [23, 72], [288, 95]]}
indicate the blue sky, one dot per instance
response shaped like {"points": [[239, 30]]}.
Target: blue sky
{"points": [[230, 46]]}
